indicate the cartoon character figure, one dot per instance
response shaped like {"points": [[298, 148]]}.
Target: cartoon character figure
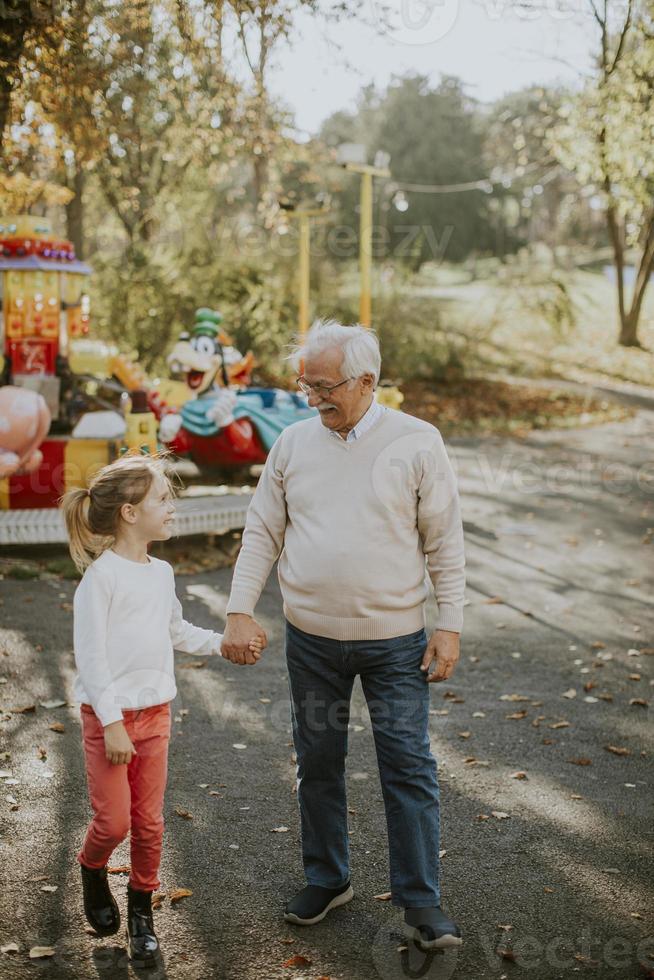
{"points": [[207, 358], [225, 424], [24, 424]]}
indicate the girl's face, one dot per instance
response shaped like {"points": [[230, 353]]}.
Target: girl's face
{"points": [[156, 512]]}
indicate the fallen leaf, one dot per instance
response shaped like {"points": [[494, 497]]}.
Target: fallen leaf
{"points": [[58, 727], [617, 750], [239, 745], [10, 948], [383, 896], [570, 693], [279, 830], [519, 775], [560, 724], [550, 891], [297, 960], [639, 701], [499, 814], [581, 761], [185, 814], [464, 734], [40, 952], [516, 715], [52, 704], [157, 900], [513, 697], [119, 869], [42, 752], [176, 893], [49, 888], [23, 711]]}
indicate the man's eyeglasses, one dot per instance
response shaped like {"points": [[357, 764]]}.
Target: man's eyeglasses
{"points": [[324, 391]]}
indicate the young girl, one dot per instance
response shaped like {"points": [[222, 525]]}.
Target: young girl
{"points": [[127, 621]]}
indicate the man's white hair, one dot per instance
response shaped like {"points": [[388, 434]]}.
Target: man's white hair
{"points": [[359, 344]]}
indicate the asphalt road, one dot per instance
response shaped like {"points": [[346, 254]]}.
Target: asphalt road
{"points": [[560, 533]]}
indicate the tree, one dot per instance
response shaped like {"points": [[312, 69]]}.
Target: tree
{"points": [[604, 137], [20, 21], [434, 136]]}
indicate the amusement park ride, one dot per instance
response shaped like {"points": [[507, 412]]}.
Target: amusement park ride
{"points": [[69, 403]]}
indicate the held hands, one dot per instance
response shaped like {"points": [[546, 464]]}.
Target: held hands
{"points": [[243, 640], [118, 746], [443, 648]]}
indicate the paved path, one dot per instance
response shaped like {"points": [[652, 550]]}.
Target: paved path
{"points": [[560, 527]]}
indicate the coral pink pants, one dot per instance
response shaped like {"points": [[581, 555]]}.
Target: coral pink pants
{"points": [[128, 797]]}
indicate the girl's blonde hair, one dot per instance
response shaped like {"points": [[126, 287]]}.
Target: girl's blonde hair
{"points": [[92, 515]]}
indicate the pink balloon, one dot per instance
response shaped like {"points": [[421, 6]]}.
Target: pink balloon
{"points": [[24, 424]]}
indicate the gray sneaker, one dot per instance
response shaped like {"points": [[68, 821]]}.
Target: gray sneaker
{"points": [[431, 928], [312, 904]]}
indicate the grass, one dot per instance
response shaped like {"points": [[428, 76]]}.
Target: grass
{"points": [[505, 326]]}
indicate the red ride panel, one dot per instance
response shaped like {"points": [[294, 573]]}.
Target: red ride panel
{"points": [[43, 487], [235, 445]]}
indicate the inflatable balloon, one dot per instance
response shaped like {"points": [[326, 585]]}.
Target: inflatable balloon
{"points": [[24, 424]]}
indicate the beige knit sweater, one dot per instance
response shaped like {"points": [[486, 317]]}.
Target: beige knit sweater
{"points": [[359, 529]]}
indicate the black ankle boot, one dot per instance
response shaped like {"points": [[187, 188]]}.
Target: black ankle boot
{"points": [[99, 905], [143, 944]]}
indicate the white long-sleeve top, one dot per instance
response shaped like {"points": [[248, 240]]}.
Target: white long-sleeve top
{"points": [[127, 623]]}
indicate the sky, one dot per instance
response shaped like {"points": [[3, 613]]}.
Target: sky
{"points": [[495, 46]]}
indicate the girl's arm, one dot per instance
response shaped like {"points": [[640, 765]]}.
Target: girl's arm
{"points": [[91, 611], [189, 638]]}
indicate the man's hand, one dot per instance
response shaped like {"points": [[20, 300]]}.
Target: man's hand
{"points": [[443, 647], [118, 746], [240, 629]]}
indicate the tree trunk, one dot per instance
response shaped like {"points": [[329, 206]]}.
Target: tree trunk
{"points": [[75, 213], [629, 322]]}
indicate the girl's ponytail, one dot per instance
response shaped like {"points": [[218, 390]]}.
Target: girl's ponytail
{"points": [[84, 545]]}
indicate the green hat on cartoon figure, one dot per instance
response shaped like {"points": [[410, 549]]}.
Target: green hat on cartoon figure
{"points": [[207, 322]]}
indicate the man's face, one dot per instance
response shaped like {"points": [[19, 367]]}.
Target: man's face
{"points": [[344, 406]]}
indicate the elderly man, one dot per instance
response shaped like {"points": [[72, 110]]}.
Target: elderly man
{"points": [[360, 505]]}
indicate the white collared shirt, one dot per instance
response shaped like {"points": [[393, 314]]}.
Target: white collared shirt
{"points": [[371, 417]]}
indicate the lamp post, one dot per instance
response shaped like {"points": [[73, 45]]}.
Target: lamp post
{"points": [[352, 157], [303, 216]]}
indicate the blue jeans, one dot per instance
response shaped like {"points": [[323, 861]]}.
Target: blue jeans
{"points": [[321, 676]]}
